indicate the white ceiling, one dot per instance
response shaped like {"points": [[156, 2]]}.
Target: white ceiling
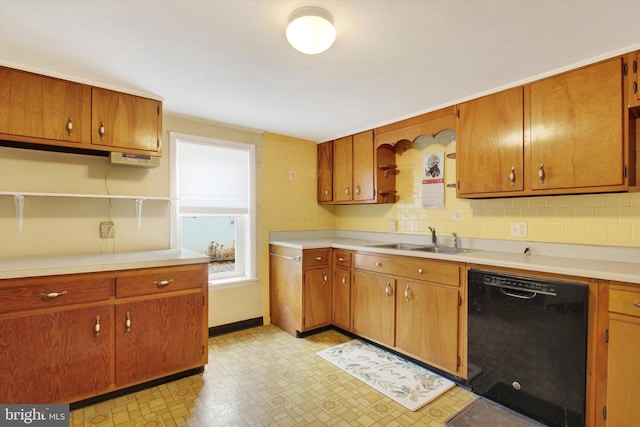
{"points": [[228, 61]]}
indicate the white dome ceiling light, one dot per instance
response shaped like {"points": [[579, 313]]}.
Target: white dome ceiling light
{"points": [[311, 30]]}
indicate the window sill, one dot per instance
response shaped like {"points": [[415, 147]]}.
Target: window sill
{"points": [[231, 282]]}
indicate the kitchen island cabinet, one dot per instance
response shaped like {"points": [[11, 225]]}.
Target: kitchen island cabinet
{"points": [[75, 336], [299, 288]]}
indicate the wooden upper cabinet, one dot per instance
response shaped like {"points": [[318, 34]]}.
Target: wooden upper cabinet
{"points": [[35, 106], [363, 166], [325, 174], [577, 129], [490, 144], [343, 169], [632, 63], [125, 121]]}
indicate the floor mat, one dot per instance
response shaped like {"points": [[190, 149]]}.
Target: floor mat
{"points": [[484, 412], [407, 383]]}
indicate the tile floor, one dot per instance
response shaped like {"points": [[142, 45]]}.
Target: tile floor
{"points": [[264, 377]]}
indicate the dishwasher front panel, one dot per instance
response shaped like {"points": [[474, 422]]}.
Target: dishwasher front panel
{"points": [[527, 345]]}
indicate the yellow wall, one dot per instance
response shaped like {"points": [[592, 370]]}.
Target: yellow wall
{"points": [[289, 193], [598, 219]]}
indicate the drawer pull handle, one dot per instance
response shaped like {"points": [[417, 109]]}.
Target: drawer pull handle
{"points": [[387, 289], [636, 304], [378, 264], [52, 295], [318, 258], [69, 127], [127, 322], [163, 283], [342, 259], [407, 294], [96, 328]]}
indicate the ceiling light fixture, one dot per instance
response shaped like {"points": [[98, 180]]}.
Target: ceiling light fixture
{"points": [[311, 30]]}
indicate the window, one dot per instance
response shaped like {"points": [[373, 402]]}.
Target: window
{"points": [[213, 188]]}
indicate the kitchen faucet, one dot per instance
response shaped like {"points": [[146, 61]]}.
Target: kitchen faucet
{"points": [[434, 238]]}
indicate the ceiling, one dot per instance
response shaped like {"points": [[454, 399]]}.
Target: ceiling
{"points": [[228, 61]]}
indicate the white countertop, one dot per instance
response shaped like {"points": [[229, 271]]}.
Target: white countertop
{"points": [[572, 266], [48, 266]]}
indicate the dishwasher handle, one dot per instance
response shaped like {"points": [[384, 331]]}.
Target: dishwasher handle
{"points": [[509, 294]]}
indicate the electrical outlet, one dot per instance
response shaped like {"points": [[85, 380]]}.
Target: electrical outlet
{"points": [[456, 214], [518, 229], [107, 230]]}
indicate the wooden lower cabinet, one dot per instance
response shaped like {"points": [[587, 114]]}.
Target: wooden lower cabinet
{"points": [[299, 288], [56, 356], [427, 322], [623, 363], [373, 307], [157, 336], [71, 337], [341, 298]]}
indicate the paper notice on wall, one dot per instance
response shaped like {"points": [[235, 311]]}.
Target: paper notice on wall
{"points": [[433, 181]]}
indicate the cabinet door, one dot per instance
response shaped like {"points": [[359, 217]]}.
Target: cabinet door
{"points": [[157, 337], [490, 144], [427, 322], [363, 166], [341, 298], [55, 356], [623, 371], [325, 176], [316, 298], [40, 107], [633, 80], [576, 128], [125, 121], [343, 169], [373, 307]]}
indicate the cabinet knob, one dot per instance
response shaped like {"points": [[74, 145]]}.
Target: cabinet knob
{"points": [[636, 304], [541, 174], [127, 322], [357, 190], [69, 127], [340, 259], [378, 264], [326, 192], [318, 258], [324, 278], [512, 175], [96, 328], [101, 130], [420, 271], [347, 191]]}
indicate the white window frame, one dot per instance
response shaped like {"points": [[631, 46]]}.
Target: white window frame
{"points": [[246, 233]]}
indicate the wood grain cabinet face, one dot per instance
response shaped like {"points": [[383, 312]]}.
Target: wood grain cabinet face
{"points": [[623, 366], [490, 144], [373, 307], [343, 169], [577, 129], [325, 172], [316, 297], [341, 289], [41, 107], [56, 356], [125, 121], [155, 337], [427, 322]]}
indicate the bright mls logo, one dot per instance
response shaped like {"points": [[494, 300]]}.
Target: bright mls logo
{"points": [[34, 415]]}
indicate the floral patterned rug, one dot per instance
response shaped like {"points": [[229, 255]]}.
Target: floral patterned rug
{"points": [[409, 384]]}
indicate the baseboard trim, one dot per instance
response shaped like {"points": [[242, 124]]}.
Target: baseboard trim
{"points": [[235, 326]]}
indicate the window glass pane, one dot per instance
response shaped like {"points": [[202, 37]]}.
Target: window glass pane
{"points": [[215, 236]]}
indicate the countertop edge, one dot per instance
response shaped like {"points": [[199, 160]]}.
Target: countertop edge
{"points": [[577, 267], [96, 263]]}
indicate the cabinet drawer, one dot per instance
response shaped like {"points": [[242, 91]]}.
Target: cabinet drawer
{"points": [[342, 258], [315, 257], [415, 268], [624, 302], [44, 292], [159, 280]]}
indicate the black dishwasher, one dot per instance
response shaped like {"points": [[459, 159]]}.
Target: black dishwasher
{"points": [[527, 345]]}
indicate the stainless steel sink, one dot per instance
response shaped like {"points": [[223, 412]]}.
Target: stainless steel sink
{"points": [[422, 248], [400, 246]]}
